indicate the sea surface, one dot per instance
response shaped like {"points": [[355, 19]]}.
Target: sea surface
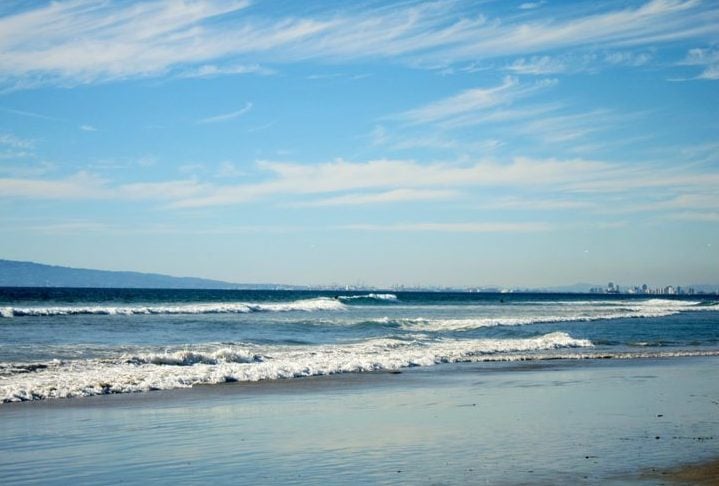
{"points": [[65, 343]]}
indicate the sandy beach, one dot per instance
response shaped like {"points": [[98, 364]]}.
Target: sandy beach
{"points": [[603, 421], [704, 473]]}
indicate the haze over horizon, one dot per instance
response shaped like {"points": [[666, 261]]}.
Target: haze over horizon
{"points": [[451, 143]]}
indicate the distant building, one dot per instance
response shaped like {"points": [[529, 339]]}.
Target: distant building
{"points": [[612, 288]]}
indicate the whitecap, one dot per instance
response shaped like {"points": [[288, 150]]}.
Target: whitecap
{"points": [[217, 364]]}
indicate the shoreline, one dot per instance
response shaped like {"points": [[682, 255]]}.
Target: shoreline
{"points": [[607, 421], [704, 473], [319, 383]]}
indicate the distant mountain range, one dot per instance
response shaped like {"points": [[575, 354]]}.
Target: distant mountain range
{"points": [[29, 274]]}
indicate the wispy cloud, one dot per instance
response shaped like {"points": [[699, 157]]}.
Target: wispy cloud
{"points": [[343, 176], [88, 128], [394, 196], [29, 114], [628, 58], [13, 141], [575, 184], [531, 5], [579, 62], [228, 169], [471, 101], [707, 58], [551, 204], [79, 186], [86, 41], [212, 70], [164, 190], [653, 22], [87, 186], [226, 116], [702, 217], [538, 65], [471, 227]]}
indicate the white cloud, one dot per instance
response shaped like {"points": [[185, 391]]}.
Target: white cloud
{"points": [[707, 58], [13, 141], [583, 61], [84, 186], [79, 186], [531, 5], [472, 227], [23, 170], [470, 101], [163, 190], [538, 204], [538, 65], [228, 169], [340, 175], [564, 184], [466, 101], [394, 196], [628, 58], [88, 128], [28, 114], [85, 41], [703, 217], [262, 127], [226, 116], [212, 70], [562, 128], [687, 202]]}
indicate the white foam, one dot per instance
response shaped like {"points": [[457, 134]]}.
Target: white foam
{"points": [[565, 313], [220, 363], [307, 305], [387, 297]]}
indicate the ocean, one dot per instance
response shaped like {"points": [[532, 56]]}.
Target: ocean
{"points": [[60, 343]]}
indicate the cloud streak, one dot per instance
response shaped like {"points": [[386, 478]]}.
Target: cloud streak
{"points": [[87, 41], [573, 184], [471, 227], [707, 58], [473, 105], [226, 116], [394, 196]]}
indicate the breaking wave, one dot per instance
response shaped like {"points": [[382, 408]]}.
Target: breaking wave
{"points": [[219, 364], [622, 310], [307, 305], [380, 297]]}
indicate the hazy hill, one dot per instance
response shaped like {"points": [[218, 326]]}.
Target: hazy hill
{"points": [[28, 274]]}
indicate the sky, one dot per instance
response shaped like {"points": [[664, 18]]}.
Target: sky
{"points": [[450, 143]]}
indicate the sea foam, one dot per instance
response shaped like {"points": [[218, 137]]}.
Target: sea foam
{"points": [[371, 296], [306, 305], [220, 363], [583, 311]]}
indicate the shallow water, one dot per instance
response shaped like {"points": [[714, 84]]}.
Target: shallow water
{"points": [[64, 343], [479, 423]]}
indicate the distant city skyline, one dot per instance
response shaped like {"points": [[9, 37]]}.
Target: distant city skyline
{"points": [[507, 144]]}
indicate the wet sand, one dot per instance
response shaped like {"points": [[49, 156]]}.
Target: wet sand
{"points": [[702, 474], [564, 422]]}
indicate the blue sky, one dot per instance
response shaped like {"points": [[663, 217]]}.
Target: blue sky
{"points": [[419, 143]]}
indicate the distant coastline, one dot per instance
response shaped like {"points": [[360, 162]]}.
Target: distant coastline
{"points": [[30, 274]]}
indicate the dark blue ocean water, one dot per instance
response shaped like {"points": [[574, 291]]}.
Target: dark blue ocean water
{"points": [[80, 342]]}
